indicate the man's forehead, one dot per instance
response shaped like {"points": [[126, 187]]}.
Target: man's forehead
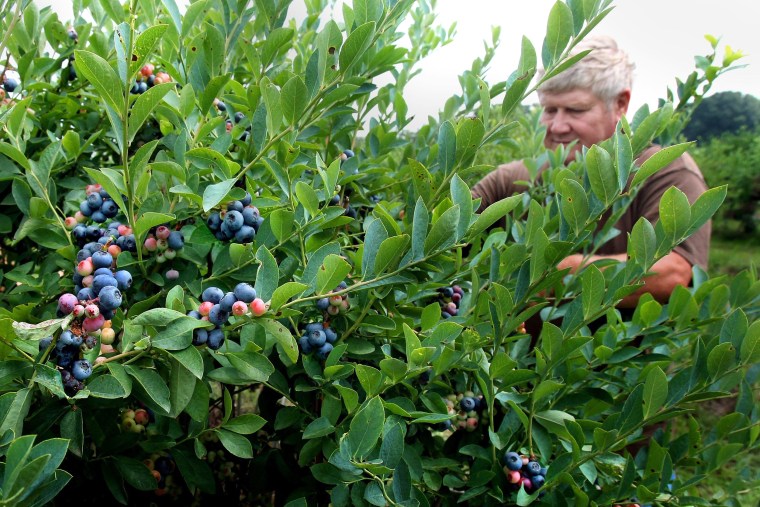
{"points": [[574, 97]]}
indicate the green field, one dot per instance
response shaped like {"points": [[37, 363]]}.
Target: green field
{"points": [[729, 256]]}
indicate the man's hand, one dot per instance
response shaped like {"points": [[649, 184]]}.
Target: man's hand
{"points": [[665, 275]]}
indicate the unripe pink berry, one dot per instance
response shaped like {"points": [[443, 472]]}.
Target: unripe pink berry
{"points": [[87, 280], [91, 189], [79, 217], [100, 359], [150, 244], [93, 324], [70, 222], [333, 310], [526, 483], [107, 336], [513, 476], [239, 308], [336, 300], [91, 311], [114, 250], [124, 230], [258, 307], [163, 232], [172, 274], [78, 311], [205, 307], [85, 267], [142, 416], [472, 423], [106, 349]]}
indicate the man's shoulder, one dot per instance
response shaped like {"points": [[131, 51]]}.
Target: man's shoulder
{"points": [[514, 170]]}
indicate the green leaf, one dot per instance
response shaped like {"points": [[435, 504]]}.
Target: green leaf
{"points": [[750, 349], [356, 44], [238, 445], [462, 197], [421, 179], [191, 359], [643, 243], [272, 102], [25, 331], [655, 391], [601, 174], [443, 233], [491, 214], [107, 387], [370, 379], [720, 359], [282, 337], [245, 424], [333, 271], [447, 147], [675, 216], [135, 473], [420, 224], [705, 207], [252, 365], [307, 197], [178, 333], [157, 317], [144, 106], [318, 428], [214, 194], [148, 220], [657, 161], [470, 133], [574, 204], [97, 71], [283, 293], [153, 384], [268, 274], [213, 90], [559, 29], [367, 10], [294, 99], [276, 39], [181, 387], [366, 428], [593, 287], [281, 223], [390, 252], [376, 234]]}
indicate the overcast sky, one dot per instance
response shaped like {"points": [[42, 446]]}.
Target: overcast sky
{"points": [[662, 37]]}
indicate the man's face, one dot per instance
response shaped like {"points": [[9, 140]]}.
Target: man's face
{"points": [[579, 115]]}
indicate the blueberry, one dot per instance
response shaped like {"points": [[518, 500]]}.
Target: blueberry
{"points": [[45, 342], [217, 315], [82, 254], [110, 298], [200, 336], [72, 72], [513, 461], [537, 481], [468, 403], [306, 347], [234, 220], [104, 194], [142, 87], [107, 314], [100, 282], [212, 294], [94, 233], [214, 222], [176, 240], [10, 84], [109, 208], [239, 117], [81, 369], [215, 339], [94, 201], [135, 89], [322, 304], [534, 468], [194, 314], [123, 279], [247, 199], [227, 301], [331, 335], [85, 209], [244, 292], [85, 294], [335, 200], [114, 225], [317, 338], [102, 271], [221, 106], [69, 338], [250, 214], [257, 223], [235, 206], [245, 234], [447, 292], [324, 351], [129, 242], [98, 216], [348, 153], [313, 326]]}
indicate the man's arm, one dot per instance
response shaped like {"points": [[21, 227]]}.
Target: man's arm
{"points": [[667, 273]]}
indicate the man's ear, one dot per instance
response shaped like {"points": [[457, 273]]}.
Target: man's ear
{"points": [[622, 101]]}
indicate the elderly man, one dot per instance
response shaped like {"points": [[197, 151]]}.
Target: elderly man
{"points": [[584, 104]]}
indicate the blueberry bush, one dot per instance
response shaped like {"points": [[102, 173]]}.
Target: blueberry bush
{"points": [[230, 272]]}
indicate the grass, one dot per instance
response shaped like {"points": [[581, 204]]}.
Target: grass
{"points": [[732, 255]]}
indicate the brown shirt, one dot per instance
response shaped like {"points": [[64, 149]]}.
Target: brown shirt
{"points": [[682, 173]]}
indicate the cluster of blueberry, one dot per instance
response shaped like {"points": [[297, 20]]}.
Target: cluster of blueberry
{"points": [[238, 118], [135, 421], [240, 222], [334, 305], [66, 354], [466, 410], [99, 207], [524, 471], [165, 243], [449, 298], [146, 79], [216, 307], [162, 466], [318, 337]]}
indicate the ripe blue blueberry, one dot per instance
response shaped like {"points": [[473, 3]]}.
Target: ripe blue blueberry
{"points": [[245, 292], [123, 279], [175, 240], [245, 234], [10, 84], [468, 403], [235, 206], [322, 304], [110, 298], [194, 314], [250, 214], [348, 153], [306, 347], [69, 338], [85, 294], [109, 208], [85, 209], [103, 271], [45, 342], [94, 201], [200, 336], [227, 301], [212, 294], [317, 338], [102, 281], [324, 351], [537, 481], [234, 220], [331, 335], [81, 369], [215, 339], [129, 242], [217, 315], [247, 199], [102, 259], [513, 461], [98, 216], [534, 468], [214, 222], [239, 117], [312, 326]]}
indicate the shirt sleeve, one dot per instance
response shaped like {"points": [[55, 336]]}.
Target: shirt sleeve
{"points": [[500, 184]]}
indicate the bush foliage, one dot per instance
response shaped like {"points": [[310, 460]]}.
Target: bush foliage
{"points": [[258, 422]]}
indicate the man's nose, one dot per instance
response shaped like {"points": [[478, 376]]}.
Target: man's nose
{"points": [[559, 123]]}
